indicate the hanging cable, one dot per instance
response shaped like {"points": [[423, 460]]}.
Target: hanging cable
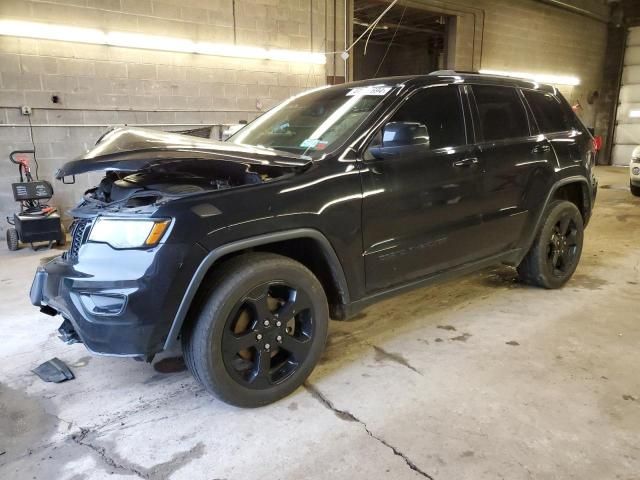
{"points": [[233, 11], [370, 27], [373, 27], [390, 43], [373, 24], [33, 143]]}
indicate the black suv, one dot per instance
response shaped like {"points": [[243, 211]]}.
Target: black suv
{"points": [[337, 198]]}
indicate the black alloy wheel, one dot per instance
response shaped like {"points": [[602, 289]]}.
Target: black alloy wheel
{"points": [[563, 246], [258, 330], [268, 335], [556, 250]]}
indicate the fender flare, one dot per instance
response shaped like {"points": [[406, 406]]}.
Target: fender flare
{"points": [[217, 253], [560, 183]]}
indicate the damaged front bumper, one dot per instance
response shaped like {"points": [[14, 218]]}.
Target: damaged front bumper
{"points": [[120, 305]]}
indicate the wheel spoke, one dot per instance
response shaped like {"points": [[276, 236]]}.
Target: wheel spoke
{"points": [[567, 258], [298, 302], [572, 238], [258, 299], [565, 222], [298, 347], [262, 370], [554, 259]]}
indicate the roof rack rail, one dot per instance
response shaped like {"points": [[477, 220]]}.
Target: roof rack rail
{"points": [[453, 72]]}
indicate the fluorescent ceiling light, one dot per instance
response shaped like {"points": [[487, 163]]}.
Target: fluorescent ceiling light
{"points": [[51, 32], [536, 77], [634, 114], [96, 36]]}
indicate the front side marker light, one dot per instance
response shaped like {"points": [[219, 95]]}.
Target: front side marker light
{"points": [[157, 231]]}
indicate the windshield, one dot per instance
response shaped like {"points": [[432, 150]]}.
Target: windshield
{"points": [[313, 122]]}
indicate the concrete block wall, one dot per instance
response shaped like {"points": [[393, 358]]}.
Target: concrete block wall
{"points": [[99, 86], [532, 36], [529, 36]]}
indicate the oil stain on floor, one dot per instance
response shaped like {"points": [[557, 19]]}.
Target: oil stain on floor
{"points": [[24, 424]]}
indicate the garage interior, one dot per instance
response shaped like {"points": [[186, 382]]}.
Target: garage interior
{"points": [[627, 132], [410, 41], [478, 377]]}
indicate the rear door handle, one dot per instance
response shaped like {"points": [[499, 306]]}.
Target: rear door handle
{"points": [[466, 162], [541, 149]]}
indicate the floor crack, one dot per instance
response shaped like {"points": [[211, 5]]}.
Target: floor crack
{"points": [[350, 417], [160, 471], [102, 453]]}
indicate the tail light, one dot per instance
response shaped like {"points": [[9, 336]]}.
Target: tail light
{"points": [[597, 143]]}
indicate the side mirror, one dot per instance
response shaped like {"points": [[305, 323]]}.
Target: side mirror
{"points": [[400, 138]]}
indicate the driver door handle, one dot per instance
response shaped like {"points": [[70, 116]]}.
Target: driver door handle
{"points": [[466, 162], [541, 149]]}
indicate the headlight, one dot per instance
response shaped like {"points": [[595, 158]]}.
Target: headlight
{"points": [[128, 233], [635, 170]]}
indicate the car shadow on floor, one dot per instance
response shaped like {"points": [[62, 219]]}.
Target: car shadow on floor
{"points": [[380, 323]]}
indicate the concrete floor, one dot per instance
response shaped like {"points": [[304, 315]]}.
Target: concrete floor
{"points": [[475, 378]]}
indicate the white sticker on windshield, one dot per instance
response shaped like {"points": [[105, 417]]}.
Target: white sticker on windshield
{"points": [[309, 143], [372, 90]]}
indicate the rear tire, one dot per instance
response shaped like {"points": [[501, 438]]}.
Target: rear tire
{"points": [[556, 250], [259, 330], [635, 191], [13, 241]]}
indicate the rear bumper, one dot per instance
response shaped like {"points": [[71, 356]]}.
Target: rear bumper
{"points": [[119, 302], [593, 194], [634, 172]]}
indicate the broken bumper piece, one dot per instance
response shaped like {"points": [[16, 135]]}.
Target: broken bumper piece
{"points": [[54, 370]]}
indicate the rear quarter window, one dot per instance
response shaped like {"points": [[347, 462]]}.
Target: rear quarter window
{"points": [[550, 113]]}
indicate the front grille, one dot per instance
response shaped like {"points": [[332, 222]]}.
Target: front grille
{"points": [[79, 233]]}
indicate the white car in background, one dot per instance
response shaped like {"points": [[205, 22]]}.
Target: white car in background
{"points": [[634, 172]]}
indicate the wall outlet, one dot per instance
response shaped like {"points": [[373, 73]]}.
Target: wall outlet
{"points": [[25, 110]]}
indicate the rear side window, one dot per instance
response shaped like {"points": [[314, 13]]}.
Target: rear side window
{"points": [[502, 114], [439, 111], [550, 114]]}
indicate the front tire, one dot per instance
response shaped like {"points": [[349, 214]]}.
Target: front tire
{"points": [[635, 191], [556, 251], [259, 331], [13, 242]]}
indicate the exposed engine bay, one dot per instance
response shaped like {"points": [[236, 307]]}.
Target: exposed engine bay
{"points": [[124, 190], [146, 168]]}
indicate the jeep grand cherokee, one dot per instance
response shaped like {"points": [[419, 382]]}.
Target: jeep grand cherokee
{"points": [[341, 196]]}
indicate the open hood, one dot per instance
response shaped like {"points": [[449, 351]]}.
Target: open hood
{"points": [[129, 149]]}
